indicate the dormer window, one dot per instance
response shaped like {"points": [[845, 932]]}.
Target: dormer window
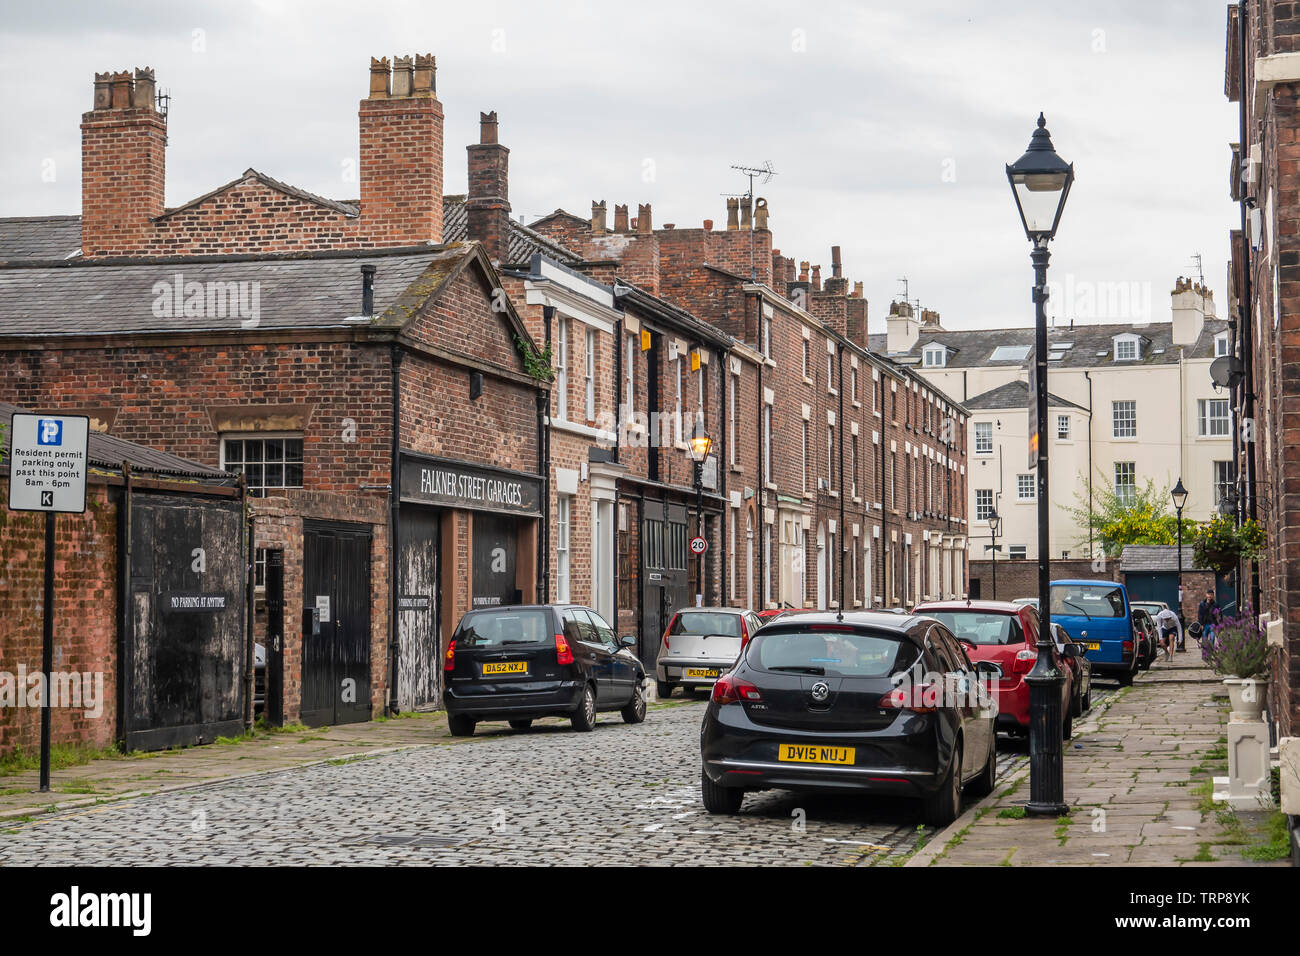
{"points": [[1221, 345], [1127, 348], [934, 356]]}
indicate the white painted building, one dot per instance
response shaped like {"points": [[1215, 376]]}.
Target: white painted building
{"points": [[1134, 400]]}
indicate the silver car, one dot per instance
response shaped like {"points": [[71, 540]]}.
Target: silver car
{"points": [[701, 644]]}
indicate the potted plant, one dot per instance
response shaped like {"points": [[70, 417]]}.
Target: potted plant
{"points": [[1221, 545], [1240, 654]]}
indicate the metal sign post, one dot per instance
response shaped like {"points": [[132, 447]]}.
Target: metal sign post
{"points": [[47, 472]]}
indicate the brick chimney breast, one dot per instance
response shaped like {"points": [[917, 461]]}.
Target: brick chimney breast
{"points": [[487, 206]]}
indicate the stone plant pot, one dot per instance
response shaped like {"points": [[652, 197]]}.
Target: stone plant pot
{"points": [[1248, 696]]}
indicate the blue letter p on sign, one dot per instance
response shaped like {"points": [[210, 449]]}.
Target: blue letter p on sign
{"points": [[49, 432]]}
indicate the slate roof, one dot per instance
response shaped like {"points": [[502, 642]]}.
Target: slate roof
{"points": [[85, 297], [1013, 395], [524, 241], [973, 348], [39, 237], [108, 453], [1156, 557]]}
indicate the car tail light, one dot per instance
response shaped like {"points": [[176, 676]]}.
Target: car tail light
{"points": [[1024, 661], [733, 690], [449, 660], [1128, 648], [744, 633], [919, 698], [563, 653]]}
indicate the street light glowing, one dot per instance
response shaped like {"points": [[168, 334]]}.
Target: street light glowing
{"points": [[700, 442]]}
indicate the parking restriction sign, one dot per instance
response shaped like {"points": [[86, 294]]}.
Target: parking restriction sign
{"points": [[47, 462], [699, 545]]}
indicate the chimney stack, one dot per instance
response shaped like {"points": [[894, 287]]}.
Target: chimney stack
{"points": [[401, 154], [123, 165], [620, 217], [487, 206]]}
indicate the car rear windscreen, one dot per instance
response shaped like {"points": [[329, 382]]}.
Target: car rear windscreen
{"points": [[980, 628], [837, 653], [706, 622], [1087, 600], [497, 628]]}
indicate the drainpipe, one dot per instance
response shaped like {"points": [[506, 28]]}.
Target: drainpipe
{"points": [[1091, 553], [394, 518], [1244, 320], [886, 552], [839, 428], [761, 493], [544, 533], [723, 358], [250, 599], [124, 601]]}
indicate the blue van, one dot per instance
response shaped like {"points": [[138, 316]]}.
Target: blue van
{"points": [[1098, 615]]}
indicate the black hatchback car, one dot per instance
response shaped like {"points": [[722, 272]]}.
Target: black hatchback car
{"points": [[874, 702], [520, 663]]}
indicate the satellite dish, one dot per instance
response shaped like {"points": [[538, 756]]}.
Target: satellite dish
{"points": [[1227, 371]]}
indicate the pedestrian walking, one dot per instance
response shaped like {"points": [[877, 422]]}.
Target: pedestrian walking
{"points": [[1205, 612], [1169, 626]]}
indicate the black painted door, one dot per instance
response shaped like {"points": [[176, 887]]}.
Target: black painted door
{"points": [[419, 664], [336, 660]]}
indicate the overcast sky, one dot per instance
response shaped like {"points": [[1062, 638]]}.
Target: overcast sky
{"points": [[889, 124]]}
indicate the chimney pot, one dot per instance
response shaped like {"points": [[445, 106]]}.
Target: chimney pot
{"points": [[745, 211], [857, 290], [103, 91], [426, 70], [803, 270], [644, 225], [670, 225], [598, 217], [487, 127], [836, 265], [708, 225], [760, 213], [143, 96], [380, 78], [402, 74], [620, 217], [733, 213], [817, 278], [122, 90]]}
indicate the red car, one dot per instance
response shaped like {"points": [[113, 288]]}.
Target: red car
{"points": [[1006, 634]]}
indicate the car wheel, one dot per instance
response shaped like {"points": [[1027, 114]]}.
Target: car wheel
{"points": [[1126, 678], [584, 718], [983, 785], [1087, 700], [719, 799], [941, 807], [1067, 728], [521, 724], [634, 712], [663, 689], [461, 725]]}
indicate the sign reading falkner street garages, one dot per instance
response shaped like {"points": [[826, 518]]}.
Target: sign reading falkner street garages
{"points": [[47, 462], [437, 481]]}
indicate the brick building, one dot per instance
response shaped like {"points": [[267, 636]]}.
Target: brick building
{"points": [[1263, 76], [368, 379]]}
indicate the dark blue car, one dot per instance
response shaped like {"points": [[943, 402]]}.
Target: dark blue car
{"points": [[1098, 615]]}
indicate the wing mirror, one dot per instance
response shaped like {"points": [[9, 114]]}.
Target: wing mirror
{"points": [[992, 668], [627, 640]]}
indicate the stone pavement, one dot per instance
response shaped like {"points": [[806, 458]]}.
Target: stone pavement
{"points": [[1137, 779]]}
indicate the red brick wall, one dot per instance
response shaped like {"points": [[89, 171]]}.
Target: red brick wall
{"points": [[85, 603]]}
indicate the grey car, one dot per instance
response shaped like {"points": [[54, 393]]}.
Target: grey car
{"points": [[701, 644]]}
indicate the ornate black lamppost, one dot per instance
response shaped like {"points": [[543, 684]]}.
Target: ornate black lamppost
{"points": [[1040, 181], [700, 445]]}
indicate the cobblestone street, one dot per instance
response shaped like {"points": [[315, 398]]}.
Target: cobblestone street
{"points": [[622, 794]]}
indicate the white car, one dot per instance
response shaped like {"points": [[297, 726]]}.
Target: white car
{"points": [[701, 644]]}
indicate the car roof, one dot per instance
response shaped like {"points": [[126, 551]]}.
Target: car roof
{"points": [[1004, 607], [881, 620], [728, 610], [1114, 584]]}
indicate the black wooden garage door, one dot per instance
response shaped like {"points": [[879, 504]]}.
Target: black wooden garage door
{"points": [[336, 660]]}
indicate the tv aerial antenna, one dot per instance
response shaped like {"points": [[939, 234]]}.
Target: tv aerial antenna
{"points": [[764, 176]]}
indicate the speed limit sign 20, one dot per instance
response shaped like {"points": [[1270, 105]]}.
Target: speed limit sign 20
{"points": [[699, 545]]}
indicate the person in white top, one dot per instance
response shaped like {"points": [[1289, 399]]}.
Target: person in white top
{"points": [[1169, 626]]}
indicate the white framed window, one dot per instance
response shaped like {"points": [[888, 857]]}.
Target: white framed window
{"points": [[678, 406], [830, 457], [983, 438], [767, 335], [767, 444], [731, 421], [1225, 479], [1213, 419], [983, 503], [853, 466], [853, 384], [1126, 349], [1016, 551], [1026, 488], [562, 515], [807, 359], [1126, 482], [701, 387], [1222, 345], [267, 461], [590, 379], [934, 356], [830, 373], [1124, 419], [1062, 427], [629, 375], [804, 470], [562, 370]]}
